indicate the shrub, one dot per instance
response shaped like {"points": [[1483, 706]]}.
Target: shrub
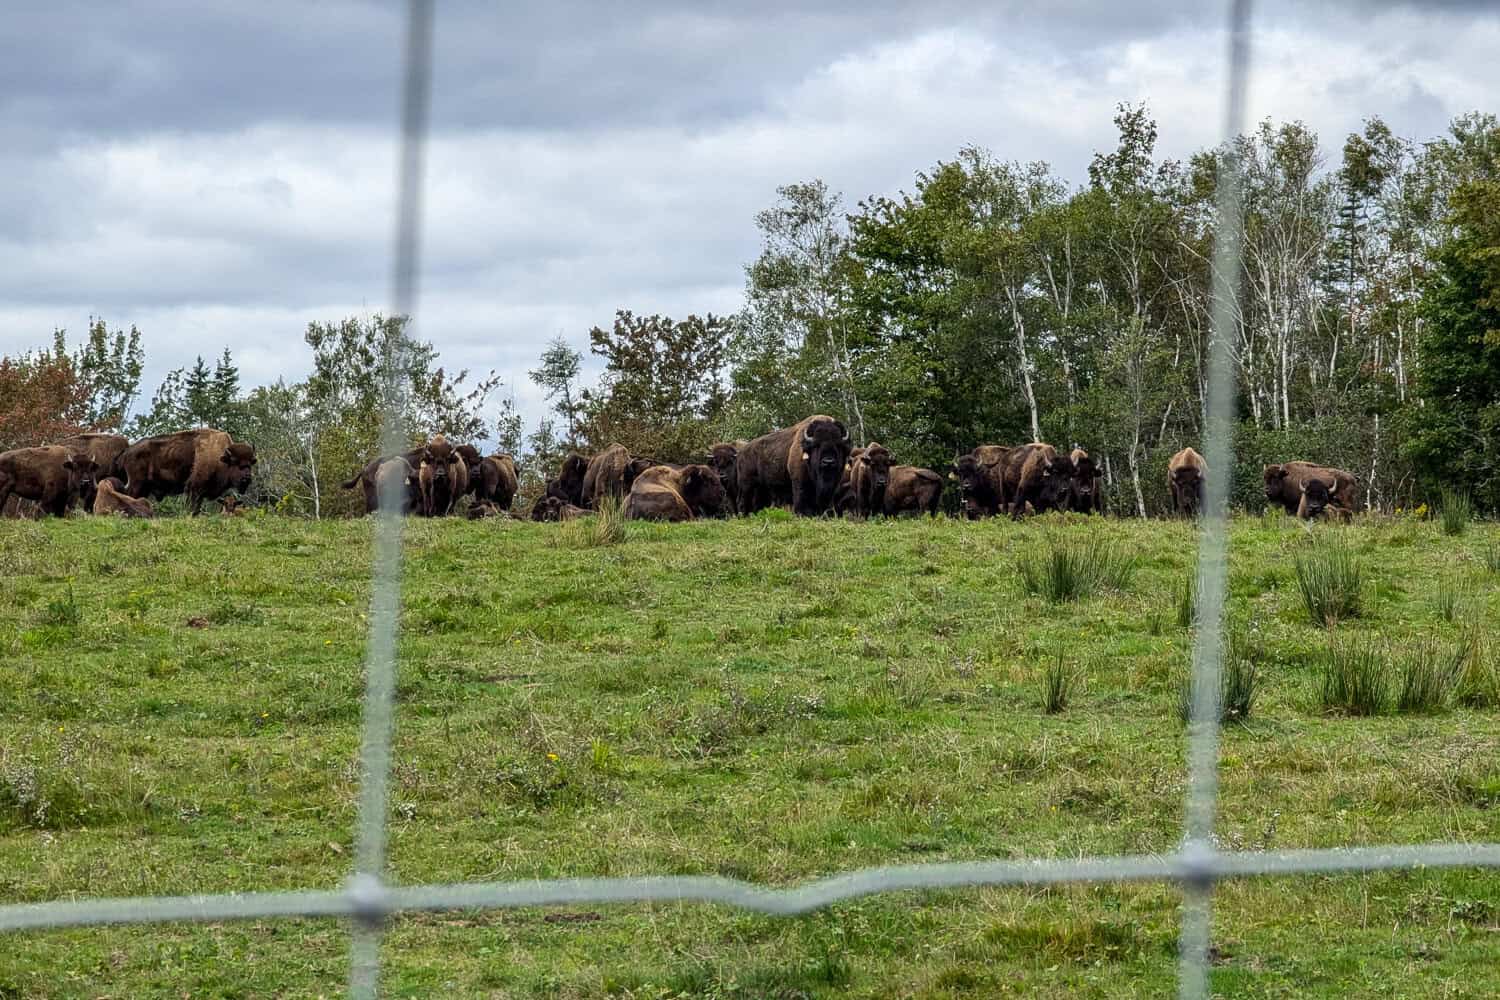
{"points": [[1073, 570], [1329, 578], [1457, 512], [1057, 687], [1356, 680], [605, 527], [1430, 677]]}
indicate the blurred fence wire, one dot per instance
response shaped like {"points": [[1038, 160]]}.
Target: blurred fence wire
{"points": [[368, 901]]}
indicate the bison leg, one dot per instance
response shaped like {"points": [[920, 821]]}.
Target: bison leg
{"points": [[195, 503]]}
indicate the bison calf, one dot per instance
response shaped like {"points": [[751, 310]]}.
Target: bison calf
{"points": [[110, 498], [554, 508], [913, 490]]}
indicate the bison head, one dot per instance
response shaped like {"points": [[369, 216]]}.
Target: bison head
{"points": [[972, 481], [1315, 497], [548, 508], [724, 460], [441, 456], [1275, 476], [825, 450], [634, 468], [239, 461], [875, 462], [1085, 478], [1056, 484], [701, 490], [82, 471]]}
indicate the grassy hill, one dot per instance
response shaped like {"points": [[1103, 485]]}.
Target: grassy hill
{"points": [[766, 699]]}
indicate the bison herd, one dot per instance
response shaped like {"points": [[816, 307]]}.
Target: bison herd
{"points": [[811, 468]]}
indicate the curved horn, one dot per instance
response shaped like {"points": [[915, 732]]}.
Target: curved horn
{"points": [[845, 430]]}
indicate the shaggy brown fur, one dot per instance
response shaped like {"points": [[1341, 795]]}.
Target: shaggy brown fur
{"points": [[110, 498], [1284, 484], [913, 490], [662, 493], [52, 476], [799, 465], [1187, 474], [202, 464]]}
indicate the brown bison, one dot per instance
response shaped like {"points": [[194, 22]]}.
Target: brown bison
{"points": [[494, 480], [1036, 474], [868, 476], [1284, 484], [1317, 501], [913, 490], [368, 479], [104, 449], [662, 493], [110, 498], [723, 458], [480, 509], [981, 480], [1187, 475], [443, 476], [51, 476], [568, 486], [799, 465], [611, 473], [553, 508], [1085, 496], [472, 458], [201, 464]]}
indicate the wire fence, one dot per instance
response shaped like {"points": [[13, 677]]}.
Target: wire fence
{"points": [[1197, 865]]}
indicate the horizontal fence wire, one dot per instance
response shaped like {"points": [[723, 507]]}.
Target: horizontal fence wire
{"points": [[368, 901], [376, 902]]}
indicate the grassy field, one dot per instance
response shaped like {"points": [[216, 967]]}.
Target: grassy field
{"points": [[766, 699]]}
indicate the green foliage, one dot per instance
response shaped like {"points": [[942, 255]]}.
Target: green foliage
{"points": [[1330, 580], [1065, 569], [1430, 677], [605, 527], [1357, 679], [1456, 511]]}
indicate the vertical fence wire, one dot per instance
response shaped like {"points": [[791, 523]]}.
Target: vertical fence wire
{"points": [[1198, 847], [366, 889]]}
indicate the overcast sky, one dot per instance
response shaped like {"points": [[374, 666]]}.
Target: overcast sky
{"points": [[222, 174]]}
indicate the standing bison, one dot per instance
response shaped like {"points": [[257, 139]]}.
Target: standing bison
{"points": [[1085, 495], [1284, 484], [443, 476], [52, 476], [568, 486], [494, 480], [662, 493], [611, 473], [369, 479], [1036, 474], [723, 458], [913, 490], [869, 474], [981, 480], [799, 465], [1187, 475], [104, 449], [202, 464]]}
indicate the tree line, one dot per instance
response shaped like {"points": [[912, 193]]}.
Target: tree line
{"points": [[992, 302]]}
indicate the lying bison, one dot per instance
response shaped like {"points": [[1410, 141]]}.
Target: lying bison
{"points": [[723, 459], [662, 493], [554, 508], [443, 477], [1317, 501], [913, 490], [981, 480], [52, 476], [1187, 476], [1284, 484], [110, 498], [1037, 475], [493, 480], [1085, 496], [104, 449], [799, 465], [202, 464], [611, 473]]}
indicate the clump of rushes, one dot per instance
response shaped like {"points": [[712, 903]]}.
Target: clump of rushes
{"points": [[1356, 679], [1330, 579], [1431, 677], [605, 527], [1057, 687], [1071, 570], [1457, 512], [1239, 684], [1187, 602]]}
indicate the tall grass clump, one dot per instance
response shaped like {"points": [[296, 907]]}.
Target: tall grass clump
{"points": [[1479, 685], [1457, 511], [1070, 570], [1057, 687], [1357, 680], [1187, 602], [1491, 557], [1451, 601], [1239, 684], [1330, 579], [605, 527], [1430, 677]]}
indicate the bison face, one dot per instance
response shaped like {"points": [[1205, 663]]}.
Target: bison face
{"points": [[702, 490], [1189, 486], [825, 450], [877, 460], [1275, 476], [1085, 479], [724, 460], [81, 474], [1056, 484], [635, 467], [239, 463], [1315, 497]]}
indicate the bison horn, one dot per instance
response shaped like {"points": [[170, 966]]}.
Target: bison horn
{"points": [[807, 440], [846, 433]]}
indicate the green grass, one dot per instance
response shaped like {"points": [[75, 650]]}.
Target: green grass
{"points": [[1457, 510], [771, 699], [1072, 569], [1330, 579]]}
